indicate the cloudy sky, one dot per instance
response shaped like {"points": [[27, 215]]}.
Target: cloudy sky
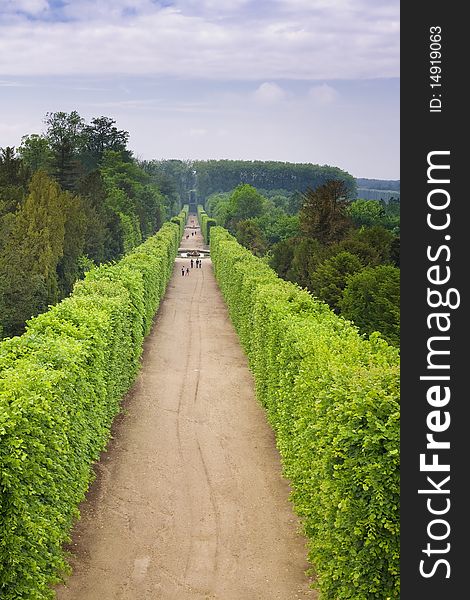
{"points": [[292, 80]]}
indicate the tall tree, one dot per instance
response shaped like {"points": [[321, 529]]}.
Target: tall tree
{"points": [[324, 212], [36, 153], [101, 135], [13, 181], [249, 234], [245, 203], [68, 267], [10, 166], [28, 261], [103, 234], [65, 136]]}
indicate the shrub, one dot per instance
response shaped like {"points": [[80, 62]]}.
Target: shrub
{"points": [[205, 222], [181, 219]]}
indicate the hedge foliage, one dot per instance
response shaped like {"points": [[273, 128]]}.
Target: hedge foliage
{"points": [[205, 222], [332, 398], [182, 218], [61, 384]]}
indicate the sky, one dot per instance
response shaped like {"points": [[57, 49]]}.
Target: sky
{"points": [[292, 80]]}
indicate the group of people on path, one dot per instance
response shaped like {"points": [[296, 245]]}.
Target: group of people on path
{"points": [[198, 263]]}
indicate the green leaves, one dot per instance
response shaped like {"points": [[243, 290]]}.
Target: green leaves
{"points": [[61, 384], [181, 219], [205, 222], [332, 398]]}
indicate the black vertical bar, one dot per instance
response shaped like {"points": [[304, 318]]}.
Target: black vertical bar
{"points": [[434, 524]]}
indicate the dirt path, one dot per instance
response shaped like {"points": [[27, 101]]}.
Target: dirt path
{"points": [[189, 502]]}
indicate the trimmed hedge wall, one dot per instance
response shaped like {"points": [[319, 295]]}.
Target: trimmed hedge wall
{"points": [[332, 398], [61, 384], [205, 222], [181, 218]]}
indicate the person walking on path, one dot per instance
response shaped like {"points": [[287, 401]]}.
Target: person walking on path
{"points": [[192, 263], [187, 270], [182, 271]]}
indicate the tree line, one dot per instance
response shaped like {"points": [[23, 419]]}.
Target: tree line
{"points": [[346, 253], [70, 197], [207, 177]]}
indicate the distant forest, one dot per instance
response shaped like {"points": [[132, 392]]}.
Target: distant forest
{"points": [[379, 184], [206, 177], [378, 189]]}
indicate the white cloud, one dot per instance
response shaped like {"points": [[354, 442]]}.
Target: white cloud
{"points": [[270, 93], [197, 132], [31, 7], [239, 40], [9, 83], [323, 94]]}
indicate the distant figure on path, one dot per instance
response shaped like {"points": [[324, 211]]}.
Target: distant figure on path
{"points": [[187, 270], [182, 271], [192, 263]]}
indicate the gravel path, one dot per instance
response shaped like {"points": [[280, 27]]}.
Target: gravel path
{"points": [[189, 501]]}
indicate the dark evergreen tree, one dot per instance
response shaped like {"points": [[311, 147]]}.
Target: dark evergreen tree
{"points": [[324, 212], [249, 234], [329, 280], [371, 300]]}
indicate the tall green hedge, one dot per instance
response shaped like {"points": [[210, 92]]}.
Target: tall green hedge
{"points": [[181, 218], [205, 222], [61, 384], [332, 398]]}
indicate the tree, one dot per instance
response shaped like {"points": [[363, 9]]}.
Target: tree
{"points": [[282, 255], [36, 153], [245, 203], [250, 235], [280, 201], [65, 135], [277, 226], [378, 238], [68, 267], [330, 278], [218, 207], [28, 261], [103, 234], [296, 201], [324, 212], [150, 208], [130, 194], [101, 135], [13, 181], [10, 167], [308, 254], [395, 251], [366, 212], [371, 300], [368, 255]]}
